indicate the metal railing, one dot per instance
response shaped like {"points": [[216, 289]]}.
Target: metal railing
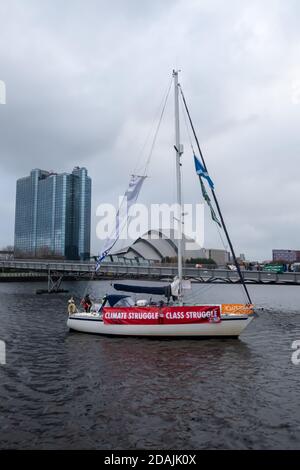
{"points": [[151, 271]]}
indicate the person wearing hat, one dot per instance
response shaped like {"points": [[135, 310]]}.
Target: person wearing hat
{"points": [[71, 306]]}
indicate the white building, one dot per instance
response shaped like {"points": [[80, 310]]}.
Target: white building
{"points": [[159, 245], [220, 257]]}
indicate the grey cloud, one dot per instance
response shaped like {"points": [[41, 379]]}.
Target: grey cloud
{"points": [[84, 81]]}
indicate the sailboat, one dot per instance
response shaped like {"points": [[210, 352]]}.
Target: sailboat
{"points": [[170, 315]]}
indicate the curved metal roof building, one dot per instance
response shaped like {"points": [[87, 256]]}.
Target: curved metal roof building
{"points": [[156, 245]]}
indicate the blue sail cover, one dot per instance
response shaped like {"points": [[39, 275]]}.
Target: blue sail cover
{"points": [[154, 290]]}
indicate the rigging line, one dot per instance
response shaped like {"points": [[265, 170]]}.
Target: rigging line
{"points": [[225, 246], [216, 202], [88, 285], [158, 127], [186, 126], [194, 153], [141, 152], [193, 150], [125, 222]]}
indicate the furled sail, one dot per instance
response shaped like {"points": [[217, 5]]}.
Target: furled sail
{"points": [[130, 197], [154, 290], [170, 290]]}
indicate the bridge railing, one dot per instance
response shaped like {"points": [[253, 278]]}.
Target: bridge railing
{"points": [[46, 266], [154, 270]]}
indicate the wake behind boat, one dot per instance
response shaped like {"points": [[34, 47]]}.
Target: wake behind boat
{"points": [[169, 316]]}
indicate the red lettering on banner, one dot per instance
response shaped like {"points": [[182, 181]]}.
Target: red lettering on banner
{"points": [[162, 315]]}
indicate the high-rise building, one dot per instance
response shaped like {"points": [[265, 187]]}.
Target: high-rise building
{"points": [[53, 214]]}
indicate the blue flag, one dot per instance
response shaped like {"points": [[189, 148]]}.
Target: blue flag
{"points": [[200, 170], [202, 173]]}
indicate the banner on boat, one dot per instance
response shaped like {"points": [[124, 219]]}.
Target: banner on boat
{"points": [[239, 309], [162, 315]]}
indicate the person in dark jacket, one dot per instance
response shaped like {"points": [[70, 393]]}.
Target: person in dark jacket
{"points": [[86, 303]]}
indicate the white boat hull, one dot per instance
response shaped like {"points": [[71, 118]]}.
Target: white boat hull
{"points": [[230, 326]]}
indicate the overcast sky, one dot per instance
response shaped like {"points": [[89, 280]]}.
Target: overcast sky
{"points": [[85, 79]]}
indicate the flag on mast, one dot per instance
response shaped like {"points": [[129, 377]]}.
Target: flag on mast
{"points": [[202, 173]]}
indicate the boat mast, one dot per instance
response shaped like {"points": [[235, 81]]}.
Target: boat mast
{"points": [[179, 152]]}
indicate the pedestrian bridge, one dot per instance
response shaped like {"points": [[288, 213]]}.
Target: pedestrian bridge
{"points": [[55, 271]]}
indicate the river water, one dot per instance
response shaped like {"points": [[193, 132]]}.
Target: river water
{"points": [[66, 390]]}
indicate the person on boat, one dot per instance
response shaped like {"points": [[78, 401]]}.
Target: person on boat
{"points": [[175, 288], [71, 306], [86, 303]]}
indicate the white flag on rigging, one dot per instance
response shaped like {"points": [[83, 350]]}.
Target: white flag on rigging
{"points": [[130, 197]]}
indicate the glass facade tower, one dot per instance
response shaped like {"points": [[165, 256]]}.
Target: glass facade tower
{"points": [[53, 215]]}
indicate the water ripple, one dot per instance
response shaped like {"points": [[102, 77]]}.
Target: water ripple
{"points": [[67, 390]]}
